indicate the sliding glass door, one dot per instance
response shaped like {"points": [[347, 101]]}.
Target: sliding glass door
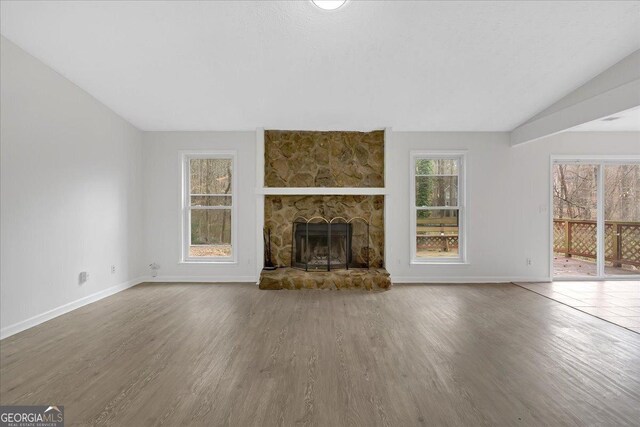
{"points": [[596, 219], [621, 219], [575, 225]]}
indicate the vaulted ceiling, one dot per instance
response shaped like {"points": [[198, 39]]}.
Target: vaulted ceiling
{"points": [[628, 120], [440, 66]]}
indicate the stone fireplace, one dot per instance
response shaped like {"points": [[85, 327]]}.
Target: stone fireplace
{"points": [[324, 208]]}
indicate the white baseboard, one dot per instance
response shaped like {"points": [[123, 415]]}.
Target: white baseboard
{"points": [[202, 279], [394, 279], [48, 315], [465, 279]]}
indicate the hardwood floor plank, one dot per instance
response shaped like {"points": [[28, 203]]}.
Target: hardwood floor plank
{"points": [[232, 355]]}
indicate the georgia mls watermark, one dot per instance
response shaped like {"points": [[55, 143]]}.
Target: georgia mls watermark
{"points": [[32, 416]]}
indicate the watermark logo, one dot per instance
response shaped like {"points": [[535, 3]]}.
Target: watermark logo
{"points": [[32, 416]]}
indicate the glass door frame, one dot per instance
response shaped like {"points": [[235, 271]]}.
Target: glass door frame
{"points": [[600, 161]]}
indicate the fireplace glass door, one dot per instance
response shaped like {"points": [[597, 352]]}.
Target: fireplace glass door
{"points": [[324, 246]]}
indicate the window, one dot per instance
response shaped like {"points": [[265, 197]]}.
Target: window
{"points": [[208, 207], [437, 207]]}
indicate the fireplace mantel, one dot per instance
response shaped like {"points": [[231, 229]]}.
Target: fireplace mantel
{"points": [[320, 191]]}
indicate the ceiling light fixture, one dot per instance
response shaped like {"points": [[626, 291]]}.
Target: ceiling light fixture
{"points": [[329, 4]]}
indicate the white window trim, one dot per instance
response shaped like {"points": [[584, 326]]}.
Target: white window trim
{"points": [[185, 206], [462, 205]]}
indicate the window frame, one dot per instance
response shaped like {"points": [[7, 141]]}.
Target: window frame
{"points": [[601, 161], [461, 157], [186, 208]]}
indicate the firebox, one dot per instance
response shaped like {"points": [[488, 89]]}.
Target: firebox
{"points": [[319, 244]]}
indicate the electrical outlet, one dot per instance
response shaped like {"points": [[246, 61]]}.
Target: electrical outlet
{"points": [[83, 277], [113, 269]]}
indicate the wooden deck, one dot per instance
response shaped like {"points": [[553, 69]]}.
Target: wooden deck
{"points": [[574, 267]]}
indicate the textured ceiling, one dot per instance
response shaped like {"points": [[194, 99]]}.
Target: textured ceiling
{"points": [[448, 66]]}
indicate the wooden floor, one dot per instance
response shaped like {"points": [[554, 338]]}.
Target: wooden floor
{"points": [[189, 354], [614, 301]]}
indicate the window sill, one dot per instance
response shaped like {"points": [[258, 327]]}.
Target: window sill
{"points": [[207, 261], [439, 262]]}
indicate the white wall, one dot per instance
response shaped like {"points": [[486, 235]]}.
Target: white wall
{"points": [[81, 190], [507, 206], [162, 198], [507, 214], [70, 194]]}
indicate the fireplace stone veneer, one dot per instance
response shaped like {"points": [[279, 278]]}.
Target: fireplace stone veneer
{"points": [[324, 159]]}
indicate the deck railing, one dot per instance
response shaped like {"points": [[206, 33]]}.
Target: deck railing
{"points": [[578, 237], [441, 237]]}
